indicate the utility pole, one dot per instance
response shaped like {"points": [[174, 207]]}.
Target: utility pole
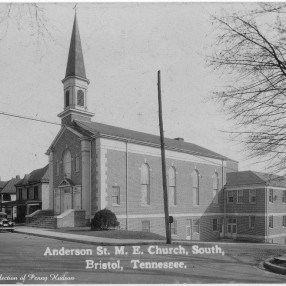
{"points": [[165, 191]]}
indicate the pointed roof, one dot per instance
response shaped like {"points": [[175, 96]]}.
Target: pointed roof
{"points": [[254, 178], [75, 65]]}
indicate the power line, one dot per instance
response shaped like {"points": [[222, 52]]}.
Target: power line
{"points": [[28, 118]]}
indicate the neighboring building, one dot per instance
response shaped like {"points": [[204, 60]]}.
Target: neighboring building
{"points": [[2, 185], [32, 193], [8, 196], [95, 166], [256, 206]]}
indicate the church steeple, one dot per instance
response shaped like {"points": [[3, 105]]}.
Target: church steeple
{"points": [[75, 83], [75, 65]]}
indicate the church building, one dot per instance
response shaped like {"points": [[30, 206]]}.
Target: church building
{"points": [[95, 166]]}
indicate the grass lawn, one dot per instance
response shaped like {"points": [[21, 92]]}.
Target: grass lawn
{"points": [[117, 234]]}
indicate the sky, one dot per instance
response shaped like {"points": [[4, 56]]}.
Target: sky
{"points": [[124, 45]]}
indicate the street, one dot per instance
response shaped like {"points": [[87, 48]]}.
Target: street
{"points": [[41, 260]]}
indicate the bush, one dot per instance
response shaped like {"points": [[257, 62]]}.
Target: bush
{"points": [[104, 220]]}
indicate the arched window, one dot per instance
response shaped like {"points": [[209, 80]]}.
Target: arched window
{"points": [[145, 184], [215, 188], [67, 98], [80, 98], [196, 186], [172, 186], [67, 163]]}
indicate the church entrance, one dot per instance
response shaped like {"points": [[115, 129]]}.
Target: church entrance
{"points": [[67, 197]]}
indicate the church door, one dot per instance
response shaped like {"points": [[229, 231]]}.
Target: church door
{"points": [[66, 201], [57, 201], [77, 198]]}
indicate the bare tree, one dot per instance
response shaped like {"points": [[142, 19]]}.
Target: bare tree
{"points": [[28, 17], [250, 51]]}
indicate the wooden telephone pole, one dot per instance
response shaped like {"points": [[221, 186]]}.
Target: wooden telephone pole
{"points": [[165, 191]]}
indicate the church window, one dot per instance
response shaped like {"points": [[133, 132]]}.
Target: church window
{"points": [[80, 98], [115, 196], [172, 186], [145, 184], [146, 225], [67, 163], [67, 98], [77, 163], [58, 168], [196, 191], [215, 188]]}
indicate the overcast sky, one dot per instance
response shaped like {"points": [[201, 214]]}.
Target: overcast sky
{"points": [[124, 46]]}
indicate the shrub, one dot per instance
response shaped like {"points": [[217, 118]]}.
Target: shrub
{"points": [[104, 220]]}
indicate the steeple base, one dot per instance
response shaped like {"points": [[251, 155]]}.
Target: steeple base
{"points": [[68, 116]]}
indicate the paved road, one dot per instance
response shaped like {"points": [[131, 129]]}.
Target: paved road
{"points": [[24, 255]]}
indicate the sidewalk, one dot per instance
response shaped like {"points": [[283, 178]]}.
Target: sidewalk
{"points": [[83, 238]]}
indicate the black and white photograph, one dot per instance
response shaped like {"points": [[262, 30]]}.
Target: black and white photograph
{"points": [[142, 142]]}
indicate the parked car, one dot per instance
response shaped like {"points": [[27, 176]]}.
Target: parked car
{"points": [[5, 224]]}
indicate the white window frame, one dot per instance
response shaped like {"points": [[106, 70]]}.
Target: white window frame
{"points": [[196, 225], [146, 223], [145, 185], [271, 195], [196, 188], [228, 196], [215, 188], [238, 196], [252, 224], [284, 220], [251, 192], [271, 221], [284, 196], [217, 224], [172, 186], [117, 196], [174, 228]]}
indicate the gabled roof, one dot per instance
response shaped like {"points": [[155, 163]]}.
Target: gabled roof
{"points": [[2, 184], [254, 178], [100, 129], [36, 176], [75, 64], [10, 186]]}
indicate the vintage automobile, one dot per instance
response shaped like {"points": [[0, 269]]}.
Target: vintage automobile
{"points": [[5, 224]]}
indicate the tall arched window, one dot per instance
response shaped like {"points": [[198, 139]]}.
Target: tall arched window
{"points": [[67, 98], [215, 188], [196, 188], [67, 163], [145, 184], [80, 97], [172, 186]]}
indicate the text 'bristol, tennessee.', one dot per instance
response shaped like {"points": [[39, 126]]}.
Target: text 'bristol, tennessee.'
{"points": [[137, 252]]}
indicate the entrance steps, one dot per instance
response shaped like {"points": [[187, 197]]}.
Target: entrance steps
{"points": [[43, 219]]}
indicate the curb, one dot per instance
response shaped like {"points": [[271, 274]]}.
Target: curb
{"points": [[91, 242], [274, 268]]}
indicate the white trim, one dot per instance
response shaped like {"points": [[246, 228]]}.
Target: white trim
{"points": [[196, 215], [244, 187]]}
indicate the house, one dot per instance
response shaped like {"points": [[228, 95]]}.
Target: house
{"points": [[32, 193], [8, 196], [95, 166], [255, 206], [2, 185]]}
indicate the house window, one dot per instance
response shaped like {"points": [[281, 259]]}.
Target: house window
{"points": [[271, 195], [6, 197], [36, 193], [215, 224], [80, 98], [145, 184], [240, 196], [67, 163], [284, 221], [31, 193], [215, 188], [58, 168], [196, 226], [28, 194], [146, 225], [172, 186], [77, 163], [196, 194], [284, 196], [252, 196], [252, 222], [67, 98], [271, 221], [20, 194], [174, 227], [115, 196], [230, 197]]}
